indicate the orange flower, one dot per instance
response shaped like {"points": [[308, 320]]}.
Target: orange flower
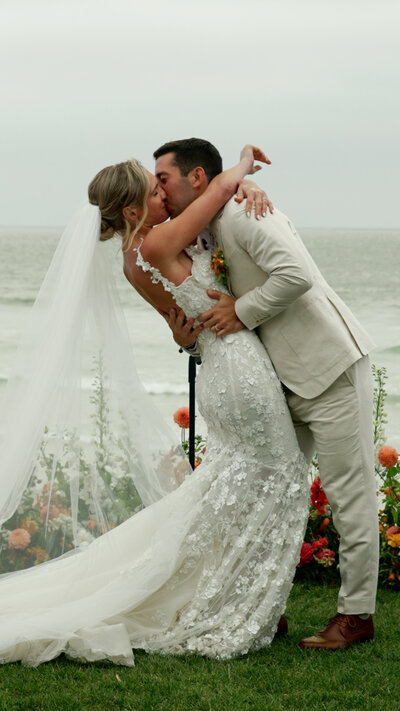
{"points": [[394, 541], [181, 417], [29, 525], [219, 266], [388, 456], [324, 523], [391, 576], [19, 539], [40, 554]]}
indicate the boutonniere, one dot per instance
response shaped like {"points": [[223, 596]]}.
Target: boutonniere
{"points": [[219, 266]]}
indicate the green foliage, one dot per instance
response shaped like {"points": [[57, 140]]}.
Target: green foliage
{"points": [[199, 448], [380, 419]]}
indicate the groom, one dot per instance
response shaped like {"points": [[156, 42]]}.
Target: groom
{"points": [[319, 352]]}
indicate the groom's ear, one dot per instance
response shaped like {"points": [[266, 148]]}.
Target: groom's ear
{"points": [[198, 178]]}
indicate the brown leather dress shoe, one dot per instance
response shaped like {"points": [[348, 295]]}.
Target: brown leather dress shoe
{"points": [[342, 631], [282, 628]]}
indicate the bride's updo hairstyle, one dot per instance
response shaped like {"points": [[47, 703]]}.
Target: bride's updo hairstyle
{"points": [[115, 187]]}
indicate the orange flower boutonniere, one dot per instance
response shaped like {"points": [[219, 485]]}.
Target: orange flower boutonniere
{"points": [[219, 266]]}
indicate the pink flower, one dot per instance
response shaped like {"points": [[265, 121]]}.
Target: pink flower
{"points": [[181, 417], [388, 457], [326, 555], [19, 539], [391, 531], [54, 512], [306, 554]]}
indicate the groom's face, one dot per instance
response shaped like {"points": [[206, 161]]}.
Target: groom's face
{"points": [[178, 188]]}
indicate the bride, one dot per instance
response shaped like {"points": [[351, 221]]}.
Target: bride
{"points": [[207, 564]]}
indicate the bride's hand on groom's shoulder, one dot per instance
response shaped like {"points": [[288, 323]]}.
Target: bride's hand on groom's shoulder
{"points": [[183, 330], [255, 196]]}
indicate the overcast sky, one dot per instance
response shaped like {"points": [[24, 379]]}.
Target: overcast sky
{"points": [[86, 83]]}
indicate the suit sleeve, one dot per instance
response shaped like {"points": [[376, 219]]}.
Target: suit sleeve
{"points": [[276, 248]]}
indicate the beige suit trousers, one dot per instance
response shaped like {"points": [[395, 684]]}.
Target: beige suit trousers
{"points": [[338, 424]]}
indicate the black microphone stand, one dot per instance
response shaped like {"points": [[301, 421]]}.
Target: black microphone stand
{"points": [[193, 362]]}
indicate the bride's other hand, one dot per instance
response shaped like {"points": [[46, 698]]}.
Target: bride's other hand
{"points": [[254, 196], [182, 329]]}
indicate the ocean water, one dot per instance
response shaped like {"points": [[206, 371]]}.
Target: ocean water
{"points": [[361, 265]]}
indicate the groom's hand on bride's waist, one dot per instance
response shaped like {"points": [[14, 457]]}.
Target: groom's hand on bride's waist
{"points": [[221, 318], [183, 330]]}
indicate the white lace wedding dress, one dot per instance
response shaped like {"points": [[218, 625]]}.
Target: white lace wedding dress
{"points": [[208, 568]]}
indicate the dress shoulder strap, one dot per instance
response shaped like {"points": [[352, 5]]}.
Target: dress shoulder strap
{"points": [[156, 276]]}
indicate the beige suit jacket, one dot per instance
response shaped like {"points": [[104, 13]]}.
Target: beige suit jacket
{"points": [[310, 334]]}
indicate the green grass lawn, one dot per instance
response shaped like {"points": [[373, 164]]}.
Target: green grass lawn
{"points": [[281, 678]]}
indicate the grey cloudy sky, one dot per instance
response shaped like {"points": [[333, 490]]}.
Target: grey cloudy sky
{"points": [[86, 83]]}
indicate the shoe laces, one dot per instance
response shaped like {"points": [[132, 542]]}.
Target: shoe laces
{"points": [[343, 620]]}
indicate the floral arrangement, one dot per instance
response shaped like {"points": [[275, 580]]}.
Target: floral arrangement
{"points": [[181, 417], [318, 555], [389, 519], [319, 551], [42, 526], [219, 266]]}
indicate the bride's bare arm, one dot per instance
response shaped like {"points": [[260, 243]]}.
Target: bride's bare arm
{"points": [[168, 240]]}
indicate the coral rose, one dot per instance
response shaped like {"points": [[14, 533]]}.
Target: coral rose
{"points": [[391, 531], [181, 417], [19, 539], [306, 554], [388, 456]]}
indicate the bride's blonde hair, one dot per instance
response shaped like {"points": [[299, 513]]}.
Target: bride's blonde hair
{"points": [[115, 187]]}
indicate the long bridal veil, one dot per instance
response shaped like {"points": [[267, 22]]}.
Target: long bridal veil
{"points": [[82, 446]]}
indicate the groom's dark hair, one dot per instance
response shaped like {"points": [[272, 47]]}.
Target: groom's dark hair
{"points": [[191, 153]]}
